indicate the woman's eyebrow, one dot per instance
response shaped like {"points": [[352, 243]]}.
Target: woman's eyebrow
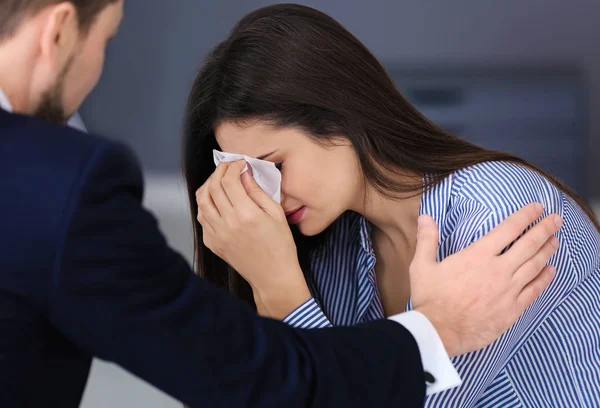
{"points": [[264, 156]]}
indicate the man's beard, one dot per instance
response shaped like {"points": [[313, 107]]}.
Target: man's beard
{"points": [[51, 107]]}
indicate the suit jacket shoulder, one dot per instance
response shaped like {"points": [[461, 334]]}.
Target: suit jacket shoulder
{"points": [[43, 168]]}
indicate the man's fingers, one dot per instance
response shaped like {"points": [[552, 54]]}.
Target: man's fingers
{"points": [[427, 240], [534, 289], [510, 229], [528, 246], [533, 267]]}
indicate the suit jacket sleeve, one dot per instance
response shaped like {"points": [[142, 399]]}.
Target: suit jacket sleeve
{"points": [[122, 295]]}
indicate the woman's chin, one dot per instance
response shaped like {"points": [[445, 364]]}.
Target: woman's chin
{"points": [[309, 229]]}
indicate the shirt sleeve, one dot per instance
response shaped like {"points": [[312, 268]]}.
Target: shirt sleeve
{"points": [[308, 316], [440, 374]]}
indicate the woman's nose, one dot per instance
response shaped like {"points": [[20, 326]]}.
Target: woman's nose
{"points": [[283, 199]]}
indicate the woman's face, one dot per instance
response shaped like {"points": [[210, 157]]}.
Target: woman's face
{"points": [[319, 182]]}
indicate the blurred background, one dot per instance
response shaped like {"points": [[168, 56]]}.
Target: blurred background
{"points": [[516, 75]]}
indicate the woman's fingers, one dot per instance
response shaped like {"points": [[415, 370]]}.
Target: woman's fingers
{"points": [[217, 192], [260, 198], [232, 185], [208, 214]]}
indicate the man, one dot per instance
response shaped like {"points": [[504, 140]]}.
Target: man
{"points": [[85, 272]]}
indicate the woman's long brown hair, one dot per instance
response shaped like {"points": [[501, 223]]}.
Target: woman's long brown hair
{"points": [[294, 66]]}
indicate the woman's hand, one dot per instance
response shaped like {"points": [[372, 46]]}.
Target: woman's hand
{"points": [[247, 229]]}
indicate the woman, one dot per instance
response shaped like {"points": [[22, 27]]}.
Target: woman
{"points": [[359, 165]]}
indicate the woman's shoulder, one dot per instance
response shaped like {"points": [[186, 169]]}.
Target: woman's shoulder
{"points": [[478, 198], [504, 187]]}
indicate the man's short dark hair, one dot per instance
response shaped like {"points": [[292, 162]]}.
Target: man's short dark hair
{"points": [[12, 12]]}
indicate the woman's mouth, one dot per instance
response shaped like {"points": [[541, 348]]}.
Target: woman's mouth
{"points": [[294, 216]]}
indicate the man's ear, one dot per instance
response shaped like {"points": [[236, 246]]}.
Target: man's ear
{"points": [[59, 36]]}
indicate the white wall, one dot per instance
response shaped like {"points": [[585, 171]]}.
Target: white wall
{"points": [[111, 387], [149, 71]]}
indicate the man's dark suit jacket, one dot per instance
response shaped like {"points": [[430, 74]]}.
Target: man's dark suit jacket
{"points": [[84, 272]]}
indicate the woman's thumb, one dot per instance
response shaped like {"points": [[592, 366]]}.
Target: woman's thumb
{"points": [[253, 190]]}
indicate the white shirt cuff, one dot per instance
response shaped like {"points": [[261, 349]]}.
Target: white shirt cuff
{"points": [[433, 354]]}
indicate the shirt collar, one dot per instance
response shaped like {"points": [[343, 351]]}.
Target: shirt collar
{"points": [[4, 102], [347, 287], [365, 236]]}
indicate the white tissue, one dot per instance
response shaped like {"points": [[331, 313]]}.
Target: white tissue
{"points": [[266, 174]]}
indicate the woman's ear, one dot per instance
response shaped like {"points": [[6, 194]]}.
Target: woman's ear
{"points": [[59, 37]]}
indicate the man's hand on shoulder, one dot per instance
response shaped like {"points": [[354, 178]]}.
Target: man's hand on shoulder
{"points": [[475, 295]]}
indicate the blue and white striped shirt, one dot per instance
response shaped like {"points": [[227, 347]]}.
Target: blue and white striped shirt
{"points": [[550, 357]]}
